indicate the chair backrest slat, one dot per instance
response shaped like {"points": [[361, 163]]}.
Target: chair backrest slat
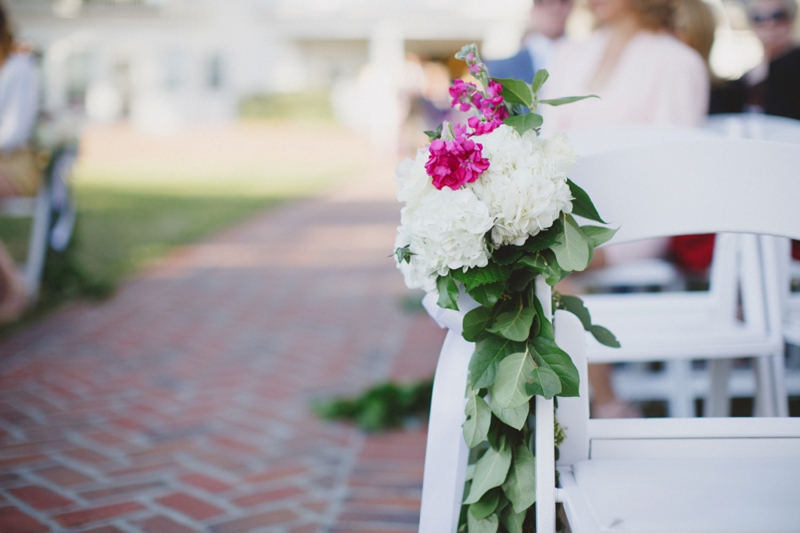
{"points": [[702, 186]]}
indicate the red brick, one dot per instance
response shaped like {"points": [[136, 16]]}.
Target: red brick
{"points": [[250, 523], [85, 455], [12, 520], [308, 528], [120, 489], [40, 498], [106, 438], [85, 516], [207, 483], [24, 460], [103, 529], [269, 496], [162, 524], [61, 475], [236, 445], [190, 506], [278, 473]]}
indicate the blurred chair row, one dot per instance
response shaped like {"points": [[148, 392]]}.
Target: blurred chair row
{"points": [[52, 213], [736, 317]]}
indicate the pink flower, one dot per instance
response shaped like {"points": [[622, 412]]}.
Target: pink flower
{"points": [[462, 94], [453, 163]]}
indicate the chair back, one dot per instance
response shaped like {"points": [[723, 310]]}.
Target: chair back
{"points": [[755, 126]]}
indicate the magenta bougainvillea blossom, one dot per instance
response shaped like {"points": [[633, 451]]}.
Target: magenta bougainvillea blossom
{"points": [[454, 162]]}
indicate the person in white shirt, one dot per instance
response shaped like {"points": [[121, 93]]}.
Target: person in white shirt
{"points": [[19, 174]]}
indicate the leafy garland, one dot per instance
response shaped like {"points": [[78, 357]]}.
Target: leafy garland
{"points": [[516, 356]]}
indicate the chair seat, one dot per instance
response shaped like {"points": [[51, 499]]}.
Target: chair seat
{"points": [[653, 326], [689, 495]]}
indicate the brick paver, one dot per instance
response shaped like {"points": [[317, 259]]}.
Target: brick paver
{"points": [[183, 403]]}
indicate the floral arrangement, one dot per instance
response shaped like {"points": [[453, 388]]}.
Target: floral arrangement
{"points": [[488, 208]]}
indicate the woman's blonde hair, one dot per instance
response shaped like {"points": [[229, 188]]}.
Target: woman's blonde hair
{"points": [[655, 14], [695, 25]]}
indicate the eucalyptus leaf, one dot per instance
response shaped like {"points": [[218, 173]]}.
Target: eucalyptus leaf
{"points": [[567, 100], [486, 505], [487, 525], [546, 353], [538, 80], [510, 386], [544, 239], [489, 351], [515, 417], [546, 330], [523, 123], [506, 255], [475, 277], [448, 292], [520, 485], [544, 262], [514, 325], [516, 91], [475, 322], [487, 295], [544, 382], [604, 336], [598, 235], [573, 252], [575, 305], [490, 472], [512, 521], [582, 205], [479, 417]]}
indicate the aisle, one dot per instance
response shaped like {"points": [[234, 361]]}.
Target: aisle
{"points": [[182, 404]]}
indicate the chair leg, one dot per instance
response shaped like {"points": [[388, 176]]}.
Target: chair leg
{"points": [[765, 391], [681, 402], [779, 382], [37, 246], [446, 453], [718, 402]]}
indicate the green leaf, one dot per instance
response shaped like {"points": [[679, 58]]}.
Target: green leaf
{"points": [[547, 330], [489, 351], [523, 123], [514, 325], [582, 205], [538, 80], [475, 277], [434, 134], [547, 354], [487, 295], [545, 263], [513, 373], [448, 292], [598, 235], [575, 305], [567, 99], [572, 253], [512, 521], [520, 485], [486, 505], [475, 323], [516, 91], [479, 417], [515, 417], [604, 336], [490, 472], [544, 239], [505, 255], [543, 382], [487, 525]]}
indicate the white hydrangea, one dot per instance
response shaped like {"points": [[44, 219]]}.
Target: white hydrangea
{"points": [[525, 188], [445, 230], [522, 193]]}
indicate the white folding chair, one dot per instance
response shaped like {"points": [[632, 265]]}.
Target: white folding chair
{"points": [[688, 475], [52, 197]]}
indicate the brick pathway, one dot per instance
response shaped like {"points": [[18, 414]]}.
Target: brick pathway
{"points": [[182, 404]]}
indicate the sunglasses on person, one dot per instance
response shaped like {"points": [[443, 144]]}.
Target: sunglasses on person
{"points": [[779, 15]]}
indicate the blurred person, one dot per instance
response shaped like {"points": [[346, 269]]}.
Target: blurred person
{"points": [[545, 28], [773, 86], [19, 174], [643, 75]]}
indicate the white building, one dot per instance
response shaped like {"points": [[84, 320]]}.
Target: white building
{"points": [[166, 63]]}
